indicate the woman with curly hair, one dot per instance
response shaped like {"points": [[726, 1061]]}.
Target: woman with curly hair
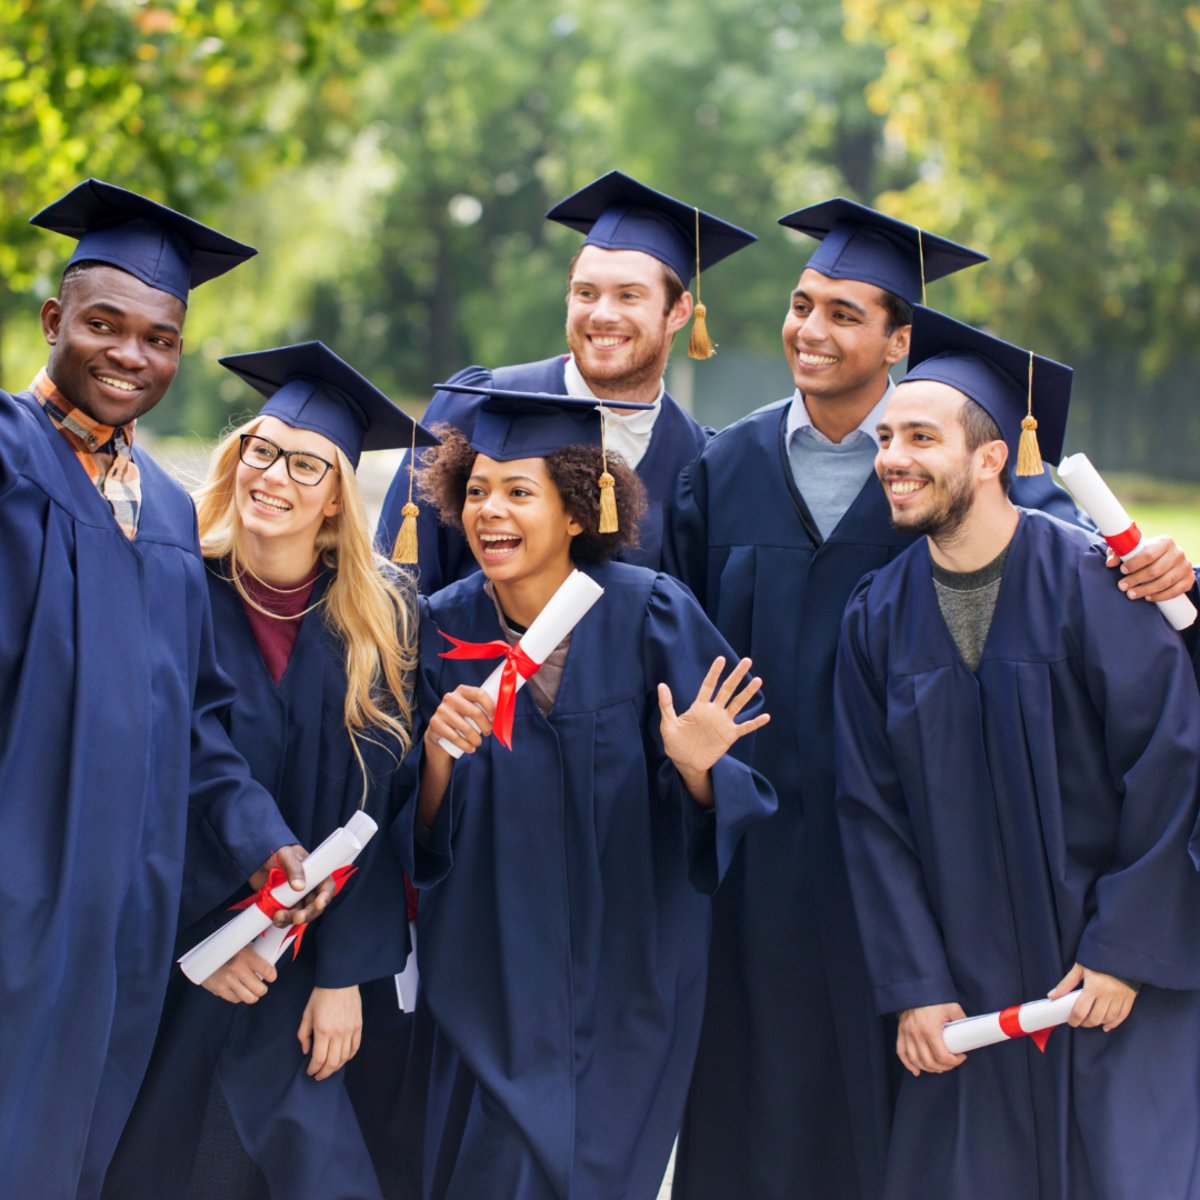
{"points": [[318, 634], [564, 919]]}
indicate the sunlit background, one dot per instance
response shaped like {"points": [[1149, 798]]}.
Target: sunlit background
{"points": [[392, 160]]}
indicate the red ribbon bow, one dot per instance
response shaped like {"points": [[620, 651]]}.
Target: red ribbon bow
{"points": [[1010, 1024], [516, 662], [264, 900]]}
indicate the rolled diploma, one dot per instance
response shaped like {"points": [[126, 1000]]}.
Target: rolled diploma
{"points": [[339, 849], [564, 610], [1095, 497], [973, 1032]]}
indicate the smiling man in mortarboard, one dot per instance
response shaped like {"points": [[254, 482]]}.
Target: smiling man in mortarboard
{"points": [[109, 694], [627, 298], [1018, 771], [771, 528]]}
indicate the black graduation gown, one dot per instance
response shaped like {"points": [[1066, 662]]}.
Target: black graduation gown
{"points": [[109, 702], [564, 922], [443, 552], [1000, 825], [302, 1134], [792, 1089]]}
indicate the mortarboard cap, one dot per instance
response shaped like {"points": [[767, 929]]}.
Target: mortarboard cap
{"points": [[310, 387], [1021, 391], [161, 247], [512, 425], [859, 243], [616, 212]]}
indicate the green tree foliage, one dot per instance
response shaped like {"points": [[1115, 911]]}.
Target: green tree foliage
{"points": [[1063, 139], [189, 100], [746, 108]]}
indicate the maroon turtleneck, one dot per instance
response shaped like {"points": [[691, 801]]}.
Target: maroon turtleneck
{"points": [[276, 634]]}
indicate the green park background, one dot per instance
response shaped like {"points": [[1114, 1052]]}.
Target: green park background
{"points": [[392, 160]]}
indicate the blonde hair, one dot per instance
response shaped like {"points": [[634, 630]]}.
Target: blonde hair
{"points": [[365, 603]]}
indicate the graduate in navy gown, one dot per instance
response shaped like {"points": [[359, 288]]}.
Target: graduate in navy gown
{"points": [[772, 527], [564, 914], [1018, 771], [109, 695], [319, 635], [627, 298]]}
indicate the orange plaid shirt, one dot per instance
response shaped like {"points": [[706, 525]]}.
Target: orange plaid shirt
{"points": [[119, 481]]}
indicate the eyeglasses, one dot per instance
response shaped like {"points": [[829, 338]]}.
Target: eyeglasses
{"points": [[304, 468]]}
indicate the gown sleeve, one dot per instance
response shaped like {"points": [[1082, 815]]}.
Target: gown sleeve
{"points": [[13, 430], [679, 645], [1137, 672], [685, 535], [240, 813], [903, 943]]}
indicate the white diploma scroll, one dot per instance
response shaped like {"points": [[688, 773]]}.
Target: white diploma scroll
{"points": [[339, 849], [564, 610], [971, 1033], [1116, 526]]}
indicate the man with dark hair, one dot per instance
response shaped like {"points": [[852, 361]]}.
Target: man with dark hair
{"points": [[627, 298], [1018, 767], [109, 695], [771, 528]]}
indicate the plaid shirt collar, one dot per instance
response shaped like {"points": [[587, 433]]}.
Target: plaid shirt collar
{"points": [[81, 431], [103, 451]]}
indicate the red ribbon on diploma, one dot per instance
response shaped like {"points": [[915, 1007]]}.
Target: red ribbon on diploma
{"points": [[516, 662], [1010, 1024], [264, 900], [296, 933], [1125, 543]]}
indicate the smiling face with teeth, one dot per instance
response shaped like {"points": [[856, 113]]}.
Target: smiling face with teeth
{"points": [[929, 472], [620, 321], [518, 529], [839, 347], [280, 517], [114, 343]]}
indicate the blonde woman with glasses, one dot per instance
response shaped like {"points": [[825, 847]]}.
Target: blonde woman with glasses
{"points": [[318, 633]]}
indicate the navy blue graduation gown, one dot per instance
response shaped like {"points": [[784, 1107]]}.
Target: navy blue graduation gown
{"points": [[109, 701], [1000, 825], [792, 1089], [443, 552], [564, 926], [302, 1134]]}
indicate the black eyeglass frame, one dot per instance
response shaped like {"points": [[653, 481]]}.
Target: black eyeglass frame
{"points": [[287, 456]]}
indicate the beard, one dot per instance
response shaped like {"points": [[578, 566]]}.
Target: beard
{"points": [[641, 370], [943, 520]]}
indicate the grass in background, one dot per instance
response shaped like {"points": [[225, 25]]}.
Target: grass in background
{"points": [[1162, 506]]}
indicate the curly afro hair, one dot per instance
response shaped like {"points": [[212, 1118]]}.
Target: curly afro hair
{"points": [[575, 471]]}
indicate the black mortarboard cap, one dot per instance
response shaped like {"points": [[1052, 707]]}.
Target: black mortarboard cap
{"points": [[996, 375], [310, 387], [859, 243], [161, 247], [616, 212]]}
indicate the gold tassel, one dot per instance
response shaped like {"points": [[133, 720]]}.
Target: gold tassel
{"points": [[405, 549], [608, 504], [1029, 453], [700, 345]]}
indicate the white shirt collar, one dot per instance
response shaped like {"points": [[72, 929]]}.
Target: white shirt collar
{"points": [[628, 433], [798, 417], [638, 418]]}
